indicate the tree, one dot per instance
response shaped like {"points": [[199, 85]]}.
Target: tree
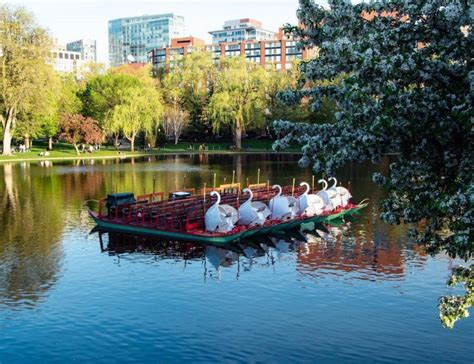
{"points": [[24, 49], [61, 97], [408, 90], [239, 98], [77, 129], [68, 102], [188, 85], [175, 120], [103, 92], [139, 112]]}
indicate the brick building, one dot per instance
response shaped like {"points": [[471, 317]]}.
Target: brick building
{"points": [[281, 51]]}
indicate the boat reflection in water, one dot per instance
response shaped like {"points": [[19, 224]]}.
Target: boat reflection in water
{"points": [[333, 252]]}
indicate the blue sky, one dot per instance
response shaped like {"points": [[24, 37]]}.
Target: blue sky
{"points": [[69, 20]]}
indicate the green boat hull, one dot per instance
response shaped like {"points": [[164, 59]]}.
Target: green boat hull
{"points": [[223, 239]]}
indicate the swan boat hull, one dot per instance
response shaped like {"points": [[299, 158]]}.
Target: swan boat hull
{"points": [[225, 238]]}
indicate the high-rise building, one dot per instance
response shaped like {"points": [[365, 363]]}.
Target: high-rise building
{"points": [[130, 39], [87, 48], [241, 29]]}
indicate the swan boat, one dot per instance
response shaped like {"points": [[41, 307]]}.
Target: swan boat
{"points": [[185, 219]]}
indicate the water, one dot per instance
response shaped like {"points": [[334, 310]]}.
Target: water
{"points": [[363, 294]]}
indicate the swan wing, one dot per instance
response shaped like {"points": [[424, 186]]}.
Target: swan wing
{"points": [[246, 214]]}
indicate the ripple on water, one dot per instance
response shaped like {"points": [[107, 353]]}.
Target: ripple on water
{"points": [[362, 294]]}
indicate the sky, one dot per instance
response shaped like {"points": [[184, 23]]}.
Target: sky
{"points": [[70, 20]]}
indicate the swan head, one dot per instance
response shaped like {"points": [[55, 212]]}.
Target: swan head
{"points": [[279, 189], [249, 191], [307, 187], [325, 184], [215, 193], [335, 181]]}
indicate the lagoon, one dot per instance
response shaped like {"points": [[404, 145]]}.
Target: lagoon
{"points": [[364, 293]]}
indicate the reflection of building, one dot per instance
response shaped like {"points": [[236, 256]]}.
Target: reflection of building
{"points": [[373, 254], [86, 47], [239, 30], [280, 52], [359, 258], [130, 39]]}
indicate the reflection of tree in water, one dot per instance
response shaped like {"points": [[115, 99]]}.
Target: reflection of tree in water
{"points": [[30, 217]]}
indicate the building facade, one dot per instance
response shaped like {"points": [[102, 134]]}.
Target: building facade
{"points": [[279, 53], [130, 39], [241, 29], [86, 47], [64, 61]]}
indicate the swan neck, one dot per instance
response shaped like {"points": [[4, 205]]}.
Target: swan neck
{"points": [[307, 188]]}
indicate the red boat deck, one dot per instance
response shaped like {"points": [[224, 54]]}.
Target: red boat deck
{"points": [[187, 215]]}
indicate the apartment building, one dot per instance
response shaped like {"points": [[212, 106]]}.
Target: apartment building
{"points": [[280, 52], [240, 30]]}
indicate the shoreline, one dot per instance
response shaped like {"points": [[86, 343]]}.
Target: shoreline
{"points": [[128, 155]]}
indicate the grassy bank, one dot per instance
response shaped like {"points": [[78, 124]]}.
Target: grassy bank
{"points": [[67, 152]]}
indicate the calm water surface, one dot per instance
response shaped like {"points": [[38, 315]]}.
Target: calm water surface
{"points": [[362, 293]]}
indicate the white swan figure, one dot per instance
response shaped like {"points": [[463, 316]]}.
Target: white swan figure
{"points": [[342, 194], [283, 207], [325, 196], [333, 194], [253, 213], [220, 218], [310, 204]]}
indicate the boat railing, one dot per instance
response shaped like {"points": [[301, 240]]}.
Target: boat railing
{"points": [[151, 197], [184, 214]]}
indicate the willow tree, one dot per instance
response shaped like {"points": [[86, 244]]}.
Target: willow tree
{"points": [[24, 50], [408, 90], [102, 93], [239, 99], [139, 112], [188, 85]]}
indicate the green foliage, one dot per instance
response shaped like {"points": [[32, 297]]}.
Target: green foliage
{"points": [[452, 308], [40, 117], [103, 92], [408, 89], [140, 111], [63, 99], [24, 49], [189, 84], [239, 99]]}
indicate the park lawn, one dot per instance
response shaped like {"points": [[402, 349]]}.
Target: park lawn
{"points": [[67, 151]]}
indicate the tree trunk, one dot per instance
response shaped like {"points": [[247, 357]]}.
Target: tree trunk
{"points": [[27, 141], [132, 142], [7, 141], [50, 143], [176, 139], [116, 137], [77, 149], [7, 133], [238, 134]]}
